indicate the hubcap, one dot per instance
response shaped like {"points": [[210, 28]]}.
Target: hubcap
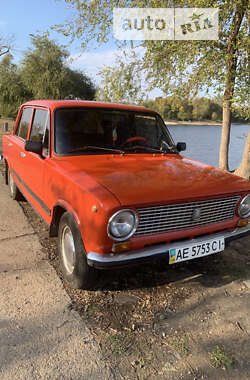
{"points": [[68, 250]]}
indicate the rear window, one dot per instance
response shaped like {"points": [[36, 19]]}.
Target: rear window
{"points": [[39, 125], [23, 127]]}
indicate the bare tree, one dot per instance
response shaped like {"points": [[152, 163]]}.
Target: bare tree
{"points": [[5, 45]]}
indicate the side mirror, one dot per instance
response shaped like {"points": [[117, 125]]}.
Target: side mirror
{"points": [[181, 146], [34, 146]]}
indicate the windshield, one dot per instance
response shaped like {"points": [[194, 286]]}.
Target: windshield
{"points": [[102, 131]]}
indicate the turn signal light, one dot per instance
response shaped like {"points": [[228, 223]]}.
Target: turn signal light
{"points": [[242, 222], [121, 247]]}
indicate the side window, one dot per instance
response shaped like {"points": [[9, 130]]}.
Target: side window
{"points": [[23, 127], [40, 128], [46, 139]]}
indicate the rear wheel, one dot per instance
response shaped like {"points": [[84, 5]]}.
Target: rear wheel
{"points": [[72, 255], [14, 191]]}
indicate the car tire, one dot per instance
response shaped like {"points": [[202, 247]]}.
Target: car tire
{"points": [[14, 191], [72, 255]]}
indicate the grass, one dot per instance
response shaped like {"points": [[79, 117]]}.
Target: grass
{"points": [[179, 344], [220, 359], [118, 343]]}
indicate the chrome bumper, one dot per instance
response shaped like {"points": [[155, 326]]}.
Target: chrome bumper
{"points": [[110, 260]]}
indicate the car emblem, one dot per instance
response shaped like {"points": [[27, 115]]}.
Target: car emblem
{"points": [[196, 214]]}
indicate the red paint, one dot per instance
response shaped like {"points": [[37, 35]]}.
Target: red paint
{"points": [[111, 182]]}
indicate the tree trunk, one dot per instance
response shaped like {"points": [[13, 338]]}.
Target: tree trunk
{"points": [[244, 169], [231, 66], [225, 135]]}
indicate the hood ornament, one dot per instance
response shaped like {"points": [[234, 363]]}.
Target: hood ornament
{"points": [[196, 214]]}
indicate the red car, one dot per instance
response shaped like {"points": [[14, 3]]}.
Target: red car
{"points": [[112, 185]]}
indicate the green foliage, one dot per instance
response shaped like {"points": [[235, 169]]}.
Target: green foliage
{"points": [[43, 74], [12, 90], [180, 345], [113, 80], [176, 67], [220, 359], [77, 85], [177, 108], [197, 109], [43, 71]]}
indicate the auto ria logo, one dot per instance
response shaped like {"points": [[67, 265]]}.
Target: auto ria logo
{"points": [[165, 23], [196, 24]]}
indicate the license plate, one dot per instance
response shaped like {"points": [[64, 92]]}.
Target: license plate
{"points": [[193, 251]]}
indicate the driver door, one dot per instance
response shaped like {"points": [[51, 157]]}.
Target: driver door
{"points": [[34, 165]]}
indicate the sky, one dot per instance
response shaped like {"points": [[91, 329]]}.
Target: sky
{"points": [[20, 18]]}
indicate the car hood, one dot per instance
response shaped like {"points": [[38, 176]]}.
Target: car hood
{"points": [[147, 179]]}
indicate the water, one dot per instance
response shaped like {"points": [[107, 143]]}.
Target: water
{"points": [[203, 142]]}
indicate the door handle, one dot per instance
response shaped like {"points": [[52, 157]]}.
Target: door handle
{"points": [[22, 154]]}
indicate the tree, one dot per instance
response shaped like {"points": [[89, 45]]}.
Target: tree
{"points": [[46, 75], [5, 45], [78, 85], [180, 67], [12, 90], [201, 108], [177, 108], [233, 60], [43, 74], [113, 89]]}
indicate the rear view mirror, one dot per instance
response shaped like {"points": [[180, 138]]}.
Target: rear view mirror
{"points": [[34, 146], [181, 146]]}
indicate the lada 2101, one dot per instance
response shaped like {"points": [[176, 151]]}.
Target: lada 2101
{"points": [[111, 184]]}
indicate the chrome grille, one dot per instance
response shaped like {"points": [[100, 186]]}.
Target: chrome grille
{"points": [[159, 219]]}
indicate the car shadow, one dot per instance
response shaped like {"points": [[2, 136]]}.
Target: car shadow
{"points": [[213, 271]]}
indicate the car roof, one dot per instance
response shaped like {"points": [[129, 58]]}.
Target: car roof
{"points": [[53, 104]]}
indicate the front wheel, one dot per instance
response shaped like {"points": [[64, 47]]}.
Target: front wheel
{"points": [[14, 191], [72, 255]]}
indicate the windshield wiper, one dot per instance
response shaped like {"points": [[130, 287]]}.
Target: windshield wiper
{"points": [[145, 147], [92, 147]]}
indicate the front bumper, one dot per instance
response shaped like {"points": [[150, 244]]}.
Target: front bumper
{"points": [[113, 260]]}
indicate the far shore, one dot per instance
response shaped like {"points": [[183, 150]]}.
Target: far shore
{"points": [[203, 122]]}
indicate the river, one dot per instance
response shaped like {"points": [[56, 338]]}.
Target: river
{"points": [[203, 142]]}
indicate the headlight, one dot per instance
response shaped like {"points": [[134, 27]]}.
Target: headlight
{"points": [[122, 225], [244, 207]]}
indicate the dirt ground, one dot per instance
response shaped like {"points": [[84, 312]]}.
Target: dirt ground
{"points": [[186, 321]]}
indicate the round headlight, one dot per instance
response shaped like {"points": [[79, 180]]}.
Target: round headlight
{"points": [[122, 225], [244, 207]]}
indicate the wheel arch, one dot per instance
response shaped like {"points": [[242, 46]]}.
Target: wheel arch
{"points": [[58, 211]]}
